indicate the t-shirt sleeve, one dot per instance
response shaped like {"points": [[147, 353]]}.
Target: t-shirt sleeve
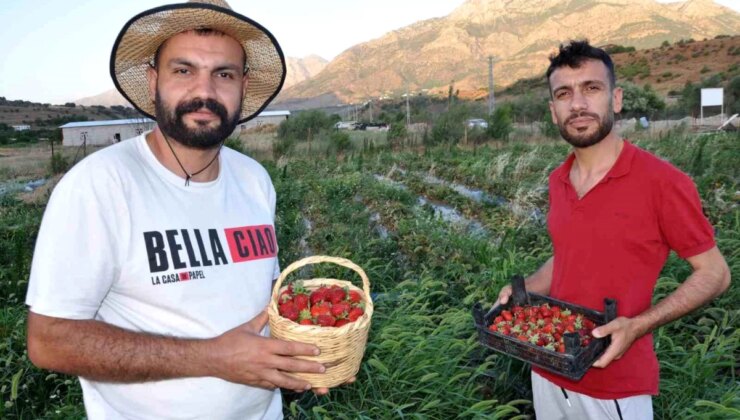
{"points": [[681, 219], [76, 258]]}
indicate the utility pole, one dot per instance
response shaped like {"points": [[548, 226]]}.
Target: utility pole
{"points": [[408, 112], [491, 99]]}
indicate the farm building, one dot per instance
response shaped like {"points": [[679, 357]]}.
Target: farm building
{"points": [[101, 133], [264, 118], [22, 127]]}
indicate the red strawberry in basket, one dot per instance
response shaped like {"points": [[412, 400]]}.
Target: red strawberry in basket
{"points": [[340, 322], [288, 310], [322, 308], [340, 309], [337, 294], [355, 296], [326, 320], [355, 313], [301, 301], [319, 295], [305, 318]]}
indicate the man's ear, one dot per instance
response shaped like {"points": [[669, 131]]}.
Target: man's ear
{"points": [[151, 77], [245, 83], [552, 112], [617, 100]]}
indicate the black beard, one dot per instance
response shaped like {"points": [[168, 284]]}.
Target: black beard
{"points": [[202, 137], [582, 141]]}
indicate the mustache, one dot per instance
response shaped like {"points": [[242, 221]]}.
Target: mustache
{"points": [[582, 114], [197, 103]]}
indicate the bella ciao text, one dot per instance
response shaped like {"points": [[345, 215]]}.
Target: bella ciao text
{"points": [[187, 249]]}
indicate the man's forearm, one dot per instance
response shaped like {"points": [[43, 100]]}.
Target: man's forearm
{"points": [[540, 281], [103, 352], [703, 285]]}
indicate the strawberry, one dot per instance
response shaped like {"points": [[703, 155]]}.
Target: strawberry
{"points": [[288, 310], [355, 296], [340, 309], [325, 320], [319, 295], [336, 294], [322, 308], [285, 296], [301, 301], [507, 315], [307, 321], [355, 313]]}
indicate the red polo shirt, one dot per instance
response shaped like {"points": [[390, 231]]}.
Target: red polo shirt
{"points": [[613, 242]]}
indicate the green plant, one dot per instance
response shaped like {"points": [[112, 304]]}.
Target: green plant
{"points": [[235, 143], [500, 123], [58, 163]]}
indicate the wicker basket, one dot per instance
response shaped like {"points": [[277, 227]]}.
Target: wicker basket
{"points": [[341, 348]]}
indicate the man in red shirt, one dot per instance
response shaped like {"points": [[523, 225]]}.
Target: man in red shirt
{"points": [[616, 211]]}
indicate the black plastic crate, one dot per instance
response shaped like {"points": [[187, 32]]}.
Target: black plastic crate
{"points": [[572, 364]]}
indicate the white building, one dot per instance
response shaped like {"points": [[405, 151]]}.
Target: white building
{"points": [[264, 118], [21, 127], [101, 133]]}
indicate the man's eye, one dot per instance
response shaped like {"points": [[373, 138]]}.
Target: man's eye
{"points": [[225, 75], [181, 71], [561, 95]]}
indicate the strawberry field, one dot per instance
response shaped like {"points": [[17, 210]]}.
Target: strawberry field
{"points": [[436, 230]]}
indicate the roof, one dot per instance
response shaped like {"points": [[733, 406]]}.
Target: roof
{"points": [[273, 113], [108, 122]]}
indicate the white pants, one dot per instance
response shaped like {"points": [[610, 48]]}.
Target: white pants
{"points": [[552, 402]]}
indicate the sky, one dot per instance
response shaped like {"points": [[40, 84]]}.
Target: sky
{"points": [[58, 51]]}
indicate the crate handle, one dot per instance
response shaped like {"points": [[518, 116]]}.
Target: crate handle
{"points": [[572, 342], [610, 310], [519, 293]]}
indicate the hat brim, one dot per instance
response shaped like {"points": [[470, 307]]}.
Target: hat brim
{"points": [[142, 35]]}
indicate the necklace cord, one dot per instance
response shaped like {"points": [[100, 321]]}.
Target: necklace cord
{"points": [[188, 175]]}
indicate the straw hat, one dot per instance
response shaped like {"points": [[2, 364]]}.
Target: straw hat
{"points": [[140, 38]]}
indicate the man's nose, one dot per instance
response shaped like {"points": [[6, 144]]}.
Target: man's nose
{"points": [[204, 86], [578, 102]]}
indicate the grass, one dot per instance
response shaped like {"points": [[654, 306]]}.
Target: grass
{"points": [[422, 359]]}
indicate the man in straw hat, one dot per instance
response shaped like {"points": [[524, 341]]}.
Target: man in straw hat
{"points": [[155, 258]]}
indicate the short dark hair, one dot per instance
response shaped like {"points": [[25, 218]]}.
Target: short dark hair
{"points": [[575, 53], [202, 32]]}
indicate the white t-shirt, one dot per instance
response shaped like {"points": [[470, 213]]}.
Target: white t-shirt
{"points": [[124, 241]]}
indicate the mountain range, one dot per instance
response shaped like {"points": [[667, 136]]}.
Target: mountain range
{"points": [[430, 55]]}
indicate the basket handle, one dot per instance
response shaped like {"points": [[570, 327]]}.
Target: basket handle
{"points": [[316, 259]]}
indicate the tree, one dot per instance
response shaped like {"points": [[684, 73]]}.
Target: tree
{"points": [[637, 101], [499, 123]]}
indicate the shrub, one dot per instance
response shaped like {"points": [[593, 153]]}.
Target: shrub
{"points": [[235, 143], [637, 101], [58, 164], [339, 142], [397, 133], [499, 123], [304, 124]]}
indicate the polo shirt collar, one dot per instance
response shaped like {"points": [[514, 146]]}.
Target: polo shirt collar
{"points": [[621, 167]]}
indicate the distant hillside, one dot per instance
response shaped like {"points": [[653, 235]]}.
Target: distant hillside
{"points": [[300, 69], [45, 116], [666, 69], [430, 55]]}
